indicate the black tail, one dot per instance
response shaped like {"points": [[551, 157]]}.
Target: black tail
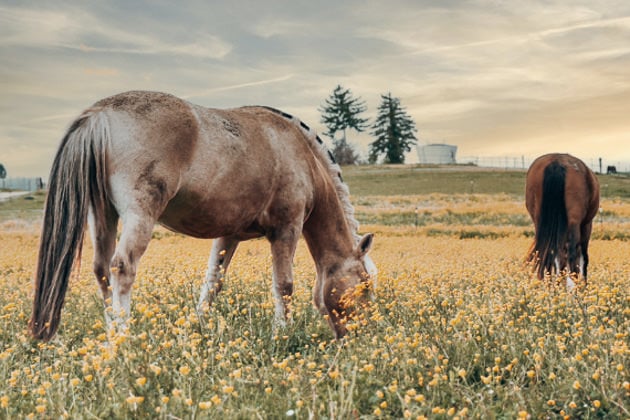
{"points": [[77, 181], [552, 221]]}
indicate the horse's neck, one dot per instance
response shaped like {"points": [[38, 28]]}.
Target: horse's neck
{"points": [[327, 233]]}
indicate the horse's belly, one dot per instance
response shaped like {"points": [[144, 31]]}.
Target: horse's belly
{"points": [[211, 221]]}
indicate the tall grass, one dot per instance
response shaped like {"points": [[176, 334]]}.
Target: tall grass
{"points": [[459, 329]]}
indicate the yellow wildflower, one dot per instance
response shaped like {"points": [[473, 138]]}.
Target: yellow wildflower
{"points": [[134, 400]]}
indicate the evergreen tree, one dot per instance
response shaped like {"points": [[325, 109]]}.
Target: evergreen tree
{"points": [[394, 131], [3, 171], [341, 112]]}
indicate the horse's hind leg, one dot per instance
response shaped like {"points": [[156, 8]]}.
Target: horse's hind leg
{"points": [[574, 254], [585, 237], [103, 234], [136, 234], [220, 257]]}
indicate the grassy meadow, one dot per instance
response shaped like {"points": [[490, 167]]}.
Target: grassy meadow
{"points": [[459, 327]]}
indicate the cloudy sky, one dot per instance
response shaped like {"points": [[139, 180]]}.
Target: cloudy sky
{"points": [[496, 78]]}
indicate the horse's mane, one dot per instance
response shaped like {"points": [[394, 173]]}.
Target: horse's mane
{"points": [[320, 149]]}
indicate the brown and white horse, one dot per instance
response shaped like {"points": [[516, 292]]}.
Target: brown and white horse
{"points": [[233, 175], [562, 197]]}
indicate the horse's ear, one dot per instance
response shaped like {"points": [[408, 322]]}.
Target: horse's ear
{"points": [[365, 244]]}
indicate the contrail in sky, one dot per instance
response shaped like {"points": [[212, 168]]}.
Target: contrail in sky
{"points": [[238, 86]]}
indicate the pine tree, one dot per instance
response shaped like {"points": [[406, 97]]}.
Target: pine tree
{"points": [[341, 112], [394, 131]]}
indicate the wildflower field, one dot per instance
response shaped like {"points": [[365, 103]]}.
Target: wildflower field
{"points": [[459, 327]]}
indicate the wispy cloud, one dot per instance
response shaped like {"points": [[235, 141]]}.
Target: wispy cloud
{"points": [[622, 22], [101, 71], [516, 39], [24, 27], [238, 86], [54, 117], [208, 47]]}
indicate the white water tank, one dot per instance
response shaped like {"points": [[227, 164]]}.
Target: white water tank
{"points": [[441, 154]]}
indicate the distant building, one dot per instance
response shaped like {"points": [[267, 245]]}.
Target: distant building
{"points": [[436, 153], [22, 184]]}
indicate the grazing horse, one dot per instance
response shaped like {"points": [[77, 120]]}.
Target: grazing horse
{"points": [[562, 197], [232, 175]]}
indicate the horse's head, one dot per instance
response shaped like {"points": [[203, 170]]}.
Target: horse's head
{"points": [[348, 285]]}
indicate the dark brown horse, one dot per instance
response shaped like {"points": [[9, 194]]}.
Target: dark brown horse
{"points": [[233, 175], [562, 197]]}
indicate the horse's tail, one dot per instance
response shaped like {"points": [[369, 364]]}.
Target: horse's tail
{"points": [[77, 183], [552, 221]]}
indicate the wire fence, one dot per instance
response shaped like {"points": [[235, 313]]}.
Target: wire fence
{"points": [[599, 165]]}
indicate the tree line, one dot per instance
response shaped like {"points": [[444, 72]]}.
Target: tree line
{"points": [[393, 129]]}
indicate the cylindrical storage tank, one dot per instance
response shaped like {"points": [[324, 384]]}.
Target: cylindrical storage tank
{"points": [[441, 154]]}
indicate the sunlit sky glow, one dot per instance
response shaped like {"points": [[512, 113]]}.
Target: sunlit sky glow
{"points": [[496, 78]]}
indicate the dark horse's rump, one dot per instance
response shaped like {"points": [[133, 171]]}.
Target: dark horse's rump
{"points": [[562, 197]]}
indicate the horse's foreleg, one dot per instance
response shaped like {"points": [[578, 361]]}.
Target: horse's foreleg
{"points": [[220, 257], [135, 237], [103, 234], [283, 247], [318, 294]]}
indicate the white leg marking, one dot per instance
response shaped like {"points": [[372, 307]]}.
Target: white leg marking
{"points": [[280, 306], [281, 314], [212, 277], [557, 263], [121, 307], [220, 257]]}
